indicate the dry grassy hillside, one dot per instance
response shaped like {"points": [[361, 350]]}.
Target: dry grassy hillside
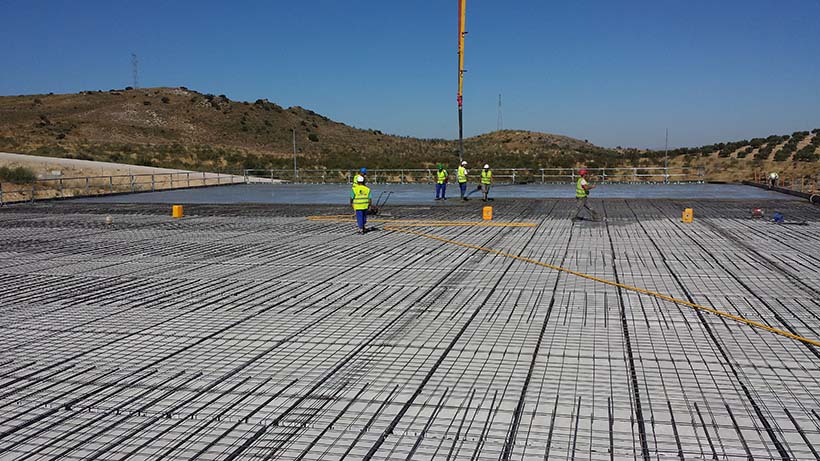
{"points": [[181, 128]]}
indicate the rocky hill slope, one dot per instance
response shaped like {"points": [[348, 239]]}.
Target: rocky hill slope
{"points": [[181, 128]]}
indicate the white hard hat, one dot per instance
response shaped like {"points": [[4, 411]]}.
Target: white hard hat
{"points": [[486, 166], [359, 178], [464, 162]]}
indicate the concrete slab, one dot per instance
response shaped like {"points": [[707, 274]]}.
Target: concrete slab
{"points": [[424, 194], [246, 331]]}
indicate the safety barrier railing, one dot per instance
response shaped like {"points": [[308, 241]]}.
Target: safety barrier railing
{"points": [[500, 175], [809, 184], [50, 188]]}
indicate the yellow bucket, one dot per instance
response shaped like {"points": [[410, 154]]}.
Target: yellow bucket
{"points": [[688, 215], [176, 211], [488, 213]]}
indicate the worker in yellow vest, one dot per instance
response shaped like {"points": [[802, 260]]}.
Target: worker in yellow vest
{"points": [[360, 199], [486, 181], [441, 183], [361, 174], [582, 188], [462, 180]]}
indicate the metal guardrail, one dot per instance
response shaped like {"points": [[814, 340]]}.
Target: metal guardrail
{"points": [[797, 183], [51, 188], [500, 175]]}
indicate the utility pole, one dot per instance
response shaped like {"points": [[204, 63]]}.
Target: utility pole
{"points": [[666, 159], [135, 70], [295, 171], [500, 123]]}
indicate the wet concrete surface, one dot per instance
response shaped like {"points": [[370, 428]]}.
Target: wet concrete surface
{"points": [[418, 194]]}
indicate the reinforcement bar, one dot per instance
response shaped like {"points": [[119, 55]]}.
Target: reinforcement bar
{"points": [[402, 225]]}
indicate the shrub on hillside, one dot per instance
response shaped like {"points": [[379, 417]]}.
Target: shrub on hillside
{"points": [[165, 99], [807, 154], [17, 174], [782, 155], [313, 137], [799, 135], [757, 142], [764, 152], [8, 141]]}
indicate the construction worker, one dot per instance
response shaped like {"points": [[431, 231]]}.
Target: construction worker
{"points": [[462, 180], [582, 188], [362, 174], [441, 183], [773, 177], [361, 200], [486, 180]]}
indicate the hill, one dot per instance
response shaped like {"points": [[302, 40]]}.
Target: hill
{"points": [[185, 129]]}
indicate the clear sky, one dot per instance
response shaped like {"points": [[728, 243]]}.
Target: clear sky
{"points": [[613, 72]]}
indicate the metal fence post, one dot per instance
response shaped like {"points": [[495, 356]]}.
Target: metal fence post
{"points": [[61, 188], [86, 186], [110, 184], [153, 184], [131, 180], [32, 191], [188, 175]]}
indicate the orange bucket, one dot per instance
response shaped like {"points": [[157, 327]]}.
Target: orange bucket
{"points": [[488, 213]]}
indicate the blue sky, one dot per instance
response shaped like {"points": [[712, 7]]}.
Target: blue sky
{"points": [[613, 72]]}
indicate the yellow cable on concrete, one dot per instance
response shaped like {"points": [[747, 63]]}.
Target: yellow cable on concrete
{"points": [[400, 226]]}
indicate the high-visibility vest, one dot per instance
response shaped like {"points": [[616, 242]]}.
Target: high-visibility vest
{"points": [[442, 176], [486, 176], [361, 197], [462, 174], [579, 189]]}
